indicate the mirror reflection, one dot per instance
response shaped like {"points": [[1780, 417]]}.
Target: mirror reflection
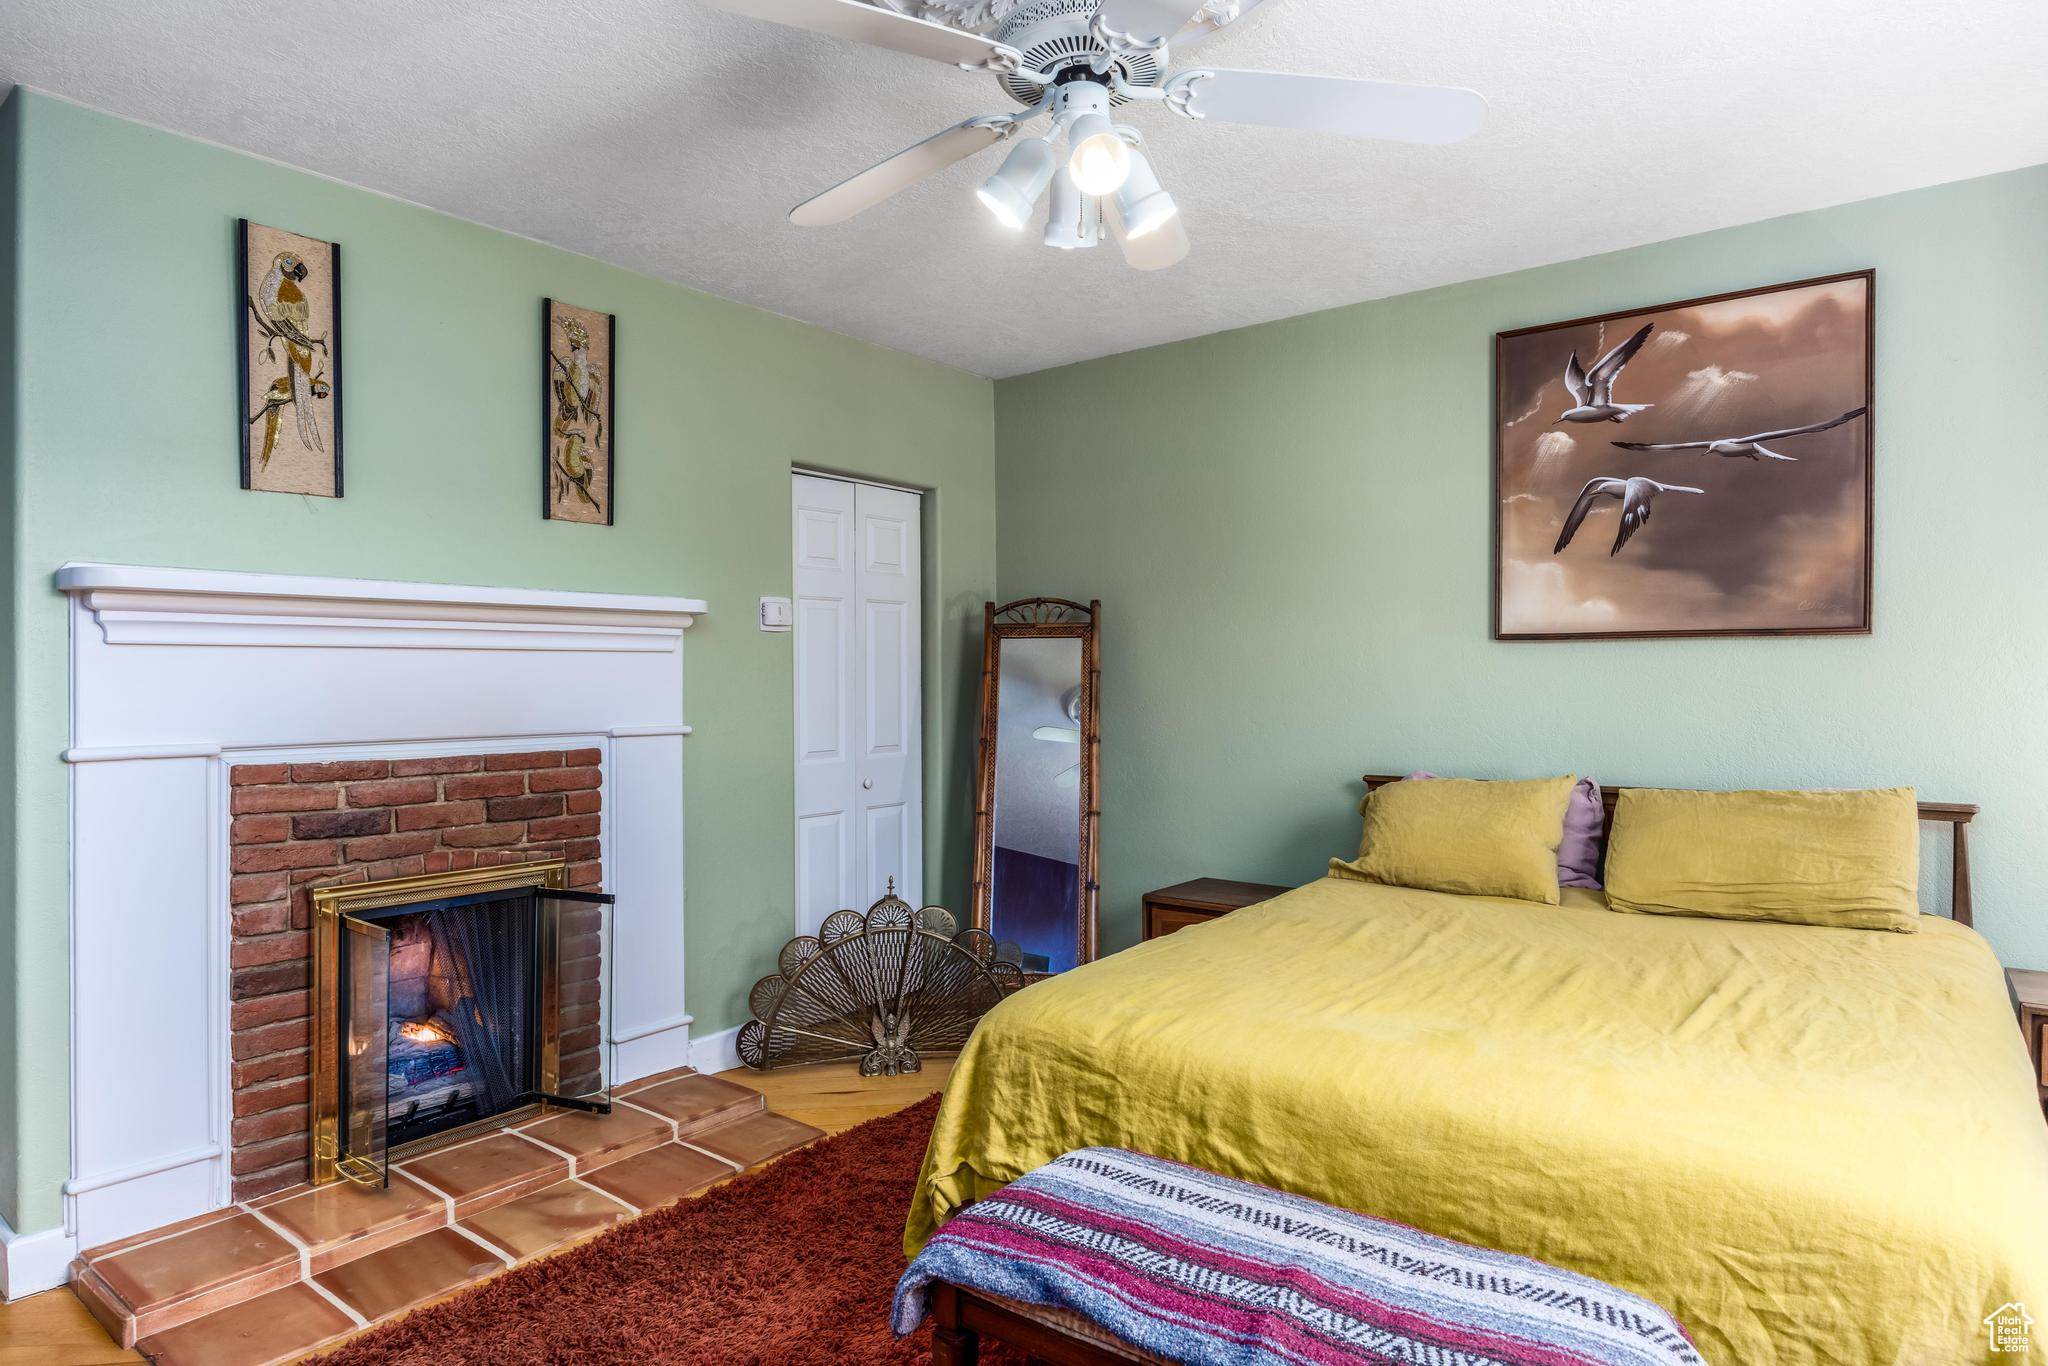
{"points": [[1035, 874]]}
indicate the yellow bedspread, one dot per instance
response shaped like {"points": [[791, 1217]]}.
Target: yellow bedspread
{"points": [[1811, 1144]]}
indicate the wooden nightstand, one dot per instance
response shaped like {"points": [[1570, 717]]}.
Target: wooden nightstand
{"points": [[1190, 903], [2032, 990]]}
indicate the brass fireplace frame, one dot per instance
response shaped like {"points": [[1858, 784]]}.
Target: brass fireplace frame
{"points": [[330, 905]]}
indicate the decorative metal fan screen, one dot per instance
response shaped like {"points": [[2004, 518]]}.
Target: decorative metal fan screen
{"points": [[880, 987]]}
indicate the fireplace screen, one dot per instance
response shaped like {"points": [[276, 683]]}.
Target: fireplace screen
{"points": [[455, 1010]]}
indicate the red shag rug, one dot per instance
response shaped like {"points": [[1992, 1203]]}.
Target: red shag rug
{"points": [[792, 1264]]}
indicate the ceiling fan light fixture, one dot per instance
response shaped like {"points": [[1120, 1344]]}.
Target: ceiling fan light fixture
{"points": [[1101, 159], [1012, 192], [1140, 201], [1073, 220]]}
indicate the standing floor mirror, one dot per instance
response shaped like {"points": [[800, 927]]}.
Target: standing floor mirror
{"points": [[1037, 796]]}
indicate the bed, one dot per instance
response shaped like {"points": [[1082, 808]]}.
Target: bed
{"points": [[1811, 1144]]}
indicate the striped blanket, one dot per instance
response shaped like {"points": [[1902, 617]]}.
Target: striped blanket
{"points": [[1201, 1268]]}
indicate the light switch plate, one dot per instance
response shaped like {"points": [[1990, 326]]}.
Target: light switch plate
{"points": [[775, 614]]}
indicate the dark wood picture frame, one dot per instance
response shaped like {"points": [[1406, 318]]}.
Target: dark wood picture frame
{"points": [[1025, 619], [1863, 626], [331, 358], [547, 412]]}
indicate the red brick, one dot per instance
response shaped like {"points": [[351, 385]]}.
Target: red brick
{"points": [[524, 808], [268, 858], [341, 771], [295, 1062], [413, 768], [260, 829], [257, 887], [274, 1124], [269, 948], [385, 869], [570, 1017], [564, 780], [273, 1095], [577, 851], [563, 828], [258, 1184], [394, 792], [245, 775], [245, 983], [261, 1010], [284, 1036], [479, 836], [439, 861], [581, 994], [586, 875], [573, 1042], [485, 785], [261, 1157], [334, 825], [329, 876], [440, 815], [585, 803], [388, 846], [499, 763], [462, 859], [268, 918], [252, 799]]}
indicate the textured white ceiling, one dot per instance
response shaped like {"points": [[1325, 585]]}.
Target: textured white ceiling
{"points": [[672, 138]]}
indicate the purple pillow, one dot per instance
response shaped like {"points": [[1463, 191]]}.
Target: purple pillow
{"points": [[1578, 853]]}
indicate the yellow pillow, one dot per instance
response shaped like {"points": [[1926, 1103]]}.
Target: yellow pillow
{"points": [[1463, 835], [1850, 859]]}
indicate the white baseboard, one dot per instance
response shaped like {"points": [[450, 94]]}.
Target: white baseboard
{"points": [[30, 1262], [716, 1052]]}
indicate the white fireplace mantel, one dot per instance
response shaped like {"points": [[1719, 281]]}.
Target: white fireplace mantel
{"points": [[178, 674]]}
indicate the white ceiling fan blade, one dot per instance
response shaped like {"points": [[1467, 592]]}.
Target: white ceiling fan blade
{"points": [[1060, 735], [1164, 246], [1148, 19], [1340, 104], [897, 174], [863, 23]]}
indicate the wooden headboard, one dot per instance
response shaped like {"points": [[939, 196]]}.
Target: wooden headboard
{"points": [[1955, 815]]}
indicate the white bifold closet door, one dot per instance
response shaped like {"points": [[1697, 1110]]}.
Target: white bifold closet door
{"points": [[859, 721]]}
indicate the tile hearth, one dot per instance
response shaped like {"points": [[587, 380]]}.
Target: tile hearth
{"points": [[278, 1276]]}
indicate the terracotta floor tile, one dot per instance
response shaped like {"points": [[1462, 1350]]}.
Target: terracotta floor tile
{"points": [[342, 1221], [659, 1175], [488, 1172], [641, 1084], [596, 1139], [537, 1222], [200, 1258], [756, 1138], [256, 1332], [93, 1254], [696, 1101], [400, 1277]]}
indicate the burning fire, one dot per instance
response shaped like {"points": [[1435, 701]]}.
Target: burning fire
{"points": [[419, 1031]]}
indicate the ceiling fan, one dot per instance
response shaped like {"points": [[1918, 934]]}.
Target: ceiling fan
{"points": [[1075, 61]]}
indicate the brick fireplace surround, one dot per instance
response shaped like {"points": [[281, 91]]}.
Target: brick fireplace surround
{"points": [[299, 826]]}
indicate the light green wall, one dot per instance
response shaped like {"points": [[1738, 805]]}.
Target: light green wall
{"points": [[1289, 527], [128, 453], [11, 1099]]}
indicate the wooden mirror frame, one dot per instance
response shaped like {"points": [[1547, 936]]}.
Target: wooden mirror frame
{"points": [[1025, 619]]}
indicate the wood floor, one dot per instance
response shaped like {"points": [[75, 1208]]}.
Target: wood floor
{"points": [[53, 1329]]}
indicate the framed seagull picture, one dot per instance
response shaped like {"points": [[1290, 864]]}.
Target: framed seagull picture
{"points": [[289, 343], [579, 472], [1694, 469]]}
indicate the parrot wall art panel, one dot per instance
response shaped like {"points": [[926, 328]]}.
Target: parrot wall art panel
{"points": [[578, 467], [290, 373], [1695, 469]]}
